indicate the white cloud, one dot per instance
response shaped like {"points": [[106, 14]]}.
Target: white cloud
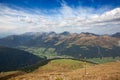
{"points": [[65, 18]]}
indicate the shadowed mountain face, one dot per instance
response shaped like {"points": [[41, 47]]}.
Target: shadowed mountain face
{"points": [[12, 59], [72, 44], [116, 35]]}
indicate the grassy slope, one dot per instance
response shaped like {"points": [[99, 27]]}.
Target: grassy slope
{"points": [[58, 66], [62, 65], [108, 71]]}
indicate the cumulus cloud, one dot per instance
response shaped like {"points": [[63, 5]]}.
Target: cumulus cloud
{"points": [[66, 18]]}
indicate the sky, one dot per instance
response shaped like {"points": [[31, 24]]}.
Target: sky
{"points": [[94, 16]]}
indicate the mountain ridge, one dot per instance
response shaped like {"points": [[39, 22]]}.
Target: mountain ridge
{"points": [[66, 43]]}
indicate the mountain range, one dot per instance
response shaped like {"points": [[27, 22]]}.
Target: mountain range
{"points": [[71, 44]]}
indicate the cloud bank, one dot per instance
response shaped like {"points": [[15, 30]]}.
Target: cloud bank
{"points": [[65, 18]]}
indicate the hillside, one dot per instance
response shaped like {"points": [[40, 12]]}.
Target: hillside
{"points": [[10, 74], [108, 71], [61, 65], [65, 44], [12, 59]]}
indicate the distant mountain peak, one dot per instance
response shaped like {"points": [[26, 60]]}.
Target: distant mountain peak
{"points": [[87, 33], [116, 35], [65, 33]]}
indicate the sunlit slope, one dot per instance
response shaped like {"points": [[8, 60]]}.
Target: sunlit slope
{"points": [[62, 65], [57, 66], [108, 71]]}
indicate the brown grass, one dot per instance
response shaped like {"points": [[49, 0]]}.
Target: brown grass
{"points": [[108, 71], [7, 75]]}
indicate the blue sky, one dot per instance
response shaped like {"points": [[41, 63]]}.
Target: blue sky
{"points": [[96, 16], [51, 4]]}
